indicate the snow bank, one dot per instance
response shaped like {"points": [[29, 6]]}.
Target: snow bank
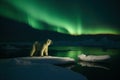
{"points": [[46, 59], [9, 70], [93, 58]]}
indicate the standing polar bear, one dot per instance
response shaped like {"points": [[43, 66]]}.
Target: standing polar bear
{"points": [[41, 50]]}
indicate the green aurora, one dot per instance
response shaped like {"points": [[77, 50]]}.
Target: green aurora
{"points": [[70, 17]]}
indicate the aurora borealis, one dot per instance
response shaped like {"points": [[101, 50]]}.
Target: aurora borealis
{"points": [[73, 17]]}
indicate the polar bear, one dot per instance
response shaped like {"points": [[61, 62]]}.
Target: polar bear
{"points": [[35, 49], [44, 49], [41, 50]]}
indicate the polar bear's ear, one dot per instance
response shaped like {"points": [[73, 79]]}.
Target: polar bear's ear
{"points": [[49, 41]]}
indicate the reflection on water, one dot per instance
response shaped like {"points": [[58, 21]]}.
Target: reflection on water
{"points": [[89, 65], [92, 64], [72, 54], [106, 70]]}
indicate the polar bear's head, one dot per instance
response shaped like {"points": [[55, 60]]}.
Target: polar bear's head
{"points": [[49, 42]]}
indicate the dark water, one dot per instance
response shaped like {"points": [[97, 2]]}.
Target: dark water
{"points": [[105, 70]]}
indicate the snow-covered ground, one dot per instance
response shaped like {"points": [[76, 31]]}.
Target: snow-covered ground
{"points": [[37, 68], [45, 59]]}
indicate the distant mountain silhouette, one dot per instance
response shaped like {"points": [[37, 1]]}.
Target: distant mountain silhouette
{"points": [[11, 30]]}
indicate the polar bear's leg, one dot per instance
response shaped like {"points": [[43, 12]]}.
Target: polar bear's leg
{"points": [[46, 51], [42, 52], [33, 51]]}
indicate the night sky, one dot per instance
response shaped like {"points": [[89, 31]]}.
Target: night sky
{"points": [[74, 17]]}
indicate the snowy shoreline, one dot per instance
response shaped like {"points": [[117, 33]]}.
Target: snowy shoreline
{"points": [[37, 68]]}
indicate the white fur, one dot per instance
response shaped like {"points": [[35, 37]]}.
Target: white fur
{"points": [[42, 50]]}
